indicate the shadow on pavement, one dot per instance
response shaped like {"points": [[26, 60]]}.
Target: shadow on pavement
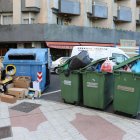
{"points": [[53, 97]]}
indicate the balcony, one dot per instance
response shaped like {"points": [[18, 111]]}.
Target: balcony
{"points": [[6, 6], [30, 6], [69, 7], [99, 11], [124, 14], [32, 3]]}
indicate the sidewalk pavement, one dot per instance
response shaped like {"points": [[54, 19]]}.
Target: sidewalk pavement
{"points": [[58, 121]]}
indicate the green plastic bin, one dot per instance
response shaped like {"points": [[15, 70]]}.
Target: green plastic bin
{"points": [[127, 89], [97, 87], [71, 85]]}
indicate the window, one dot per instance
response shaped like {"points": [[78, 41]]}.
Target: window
{"points": [[59, 21], [32, 20], [29, 21], [25, 21], [7, 19], [63, 20], [28, 18], [119, 58]]}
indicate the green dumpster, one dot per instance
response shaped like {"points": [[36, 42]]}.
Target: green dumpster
{"points": [[71, 85], [97, 87], [127, 89]]}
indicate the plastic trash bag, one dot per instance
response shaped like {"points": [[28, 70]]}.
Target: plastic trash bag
{"points": [[136, 67], [107, 66], [98, 68], [79, 61], [127, 68]]}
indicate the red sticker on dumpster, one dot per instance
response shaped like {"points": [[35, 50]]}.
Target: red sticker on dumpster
{"points": [[39, 76]]}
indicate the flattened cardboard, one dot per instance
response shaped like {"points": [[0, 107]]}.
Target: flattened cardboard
{"points": [[8, 98], [19, 93], [22, 82]]}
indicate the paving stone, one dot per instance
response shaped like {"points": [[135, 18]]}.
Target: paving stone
{"points": [[5, 132], [58, 125], [25, 107]]}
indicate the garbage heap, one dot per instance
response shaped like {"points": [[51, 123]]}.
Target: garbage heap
{"points": [[15, 88], [24, 74]]}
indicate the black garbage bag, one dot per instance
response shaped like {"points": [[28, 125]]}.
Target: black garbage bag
{"points": [[3, 74], [79, 61]]}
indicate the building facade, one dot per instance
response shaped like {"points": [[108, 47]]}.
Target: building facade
{"points": [[38, 23]]}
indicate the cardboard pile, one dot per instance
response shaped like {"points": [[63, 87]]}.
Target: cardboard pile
{"points": [[19, 93], [16, 90], [22, 82], [8, 98]]}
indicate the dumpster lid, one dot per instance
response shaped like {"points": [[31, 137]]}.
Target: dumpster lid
{"points": [[128, 61], [65, 63], [96, 62], [26, 55]]}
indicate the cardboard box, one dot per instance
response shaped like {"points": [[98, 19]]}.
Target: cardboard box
{"points": [[10, 86], [8, 98], [22, 82], [25, 91], [19, 93]]}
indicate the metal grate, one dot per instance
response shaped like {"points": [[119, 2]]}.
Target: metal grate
{"points": [[25, 107], [5, 132]]}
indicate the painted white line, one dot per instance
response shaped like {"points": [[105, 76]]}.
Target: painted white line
{"points": [[50, 92]]}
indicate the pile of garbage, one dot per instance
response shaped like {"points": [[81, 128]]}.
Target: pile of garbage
{"points": [[83, 61], [25, 74], [130, 65], [13, 88], [75, 63], [101, 65], [79, 61]]}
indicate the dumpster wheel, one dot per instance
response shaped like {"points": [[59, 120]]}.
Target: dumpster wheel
{"points": [[63, 100], [76, 103]]}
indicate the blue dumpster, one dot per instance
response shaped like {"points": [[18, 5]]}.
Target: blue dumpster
{"points": [[29, 62]]}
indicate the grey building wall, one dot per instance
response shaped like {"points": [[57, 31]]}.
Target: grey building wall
{"points": [[19, 33], [50, 32], [6, 6]]}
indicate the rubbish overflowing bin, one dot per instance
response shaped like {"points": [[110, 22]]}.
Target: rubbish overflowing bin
{"points": [[127, 87], [29, 62], [71, 78], [97, 86]]}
